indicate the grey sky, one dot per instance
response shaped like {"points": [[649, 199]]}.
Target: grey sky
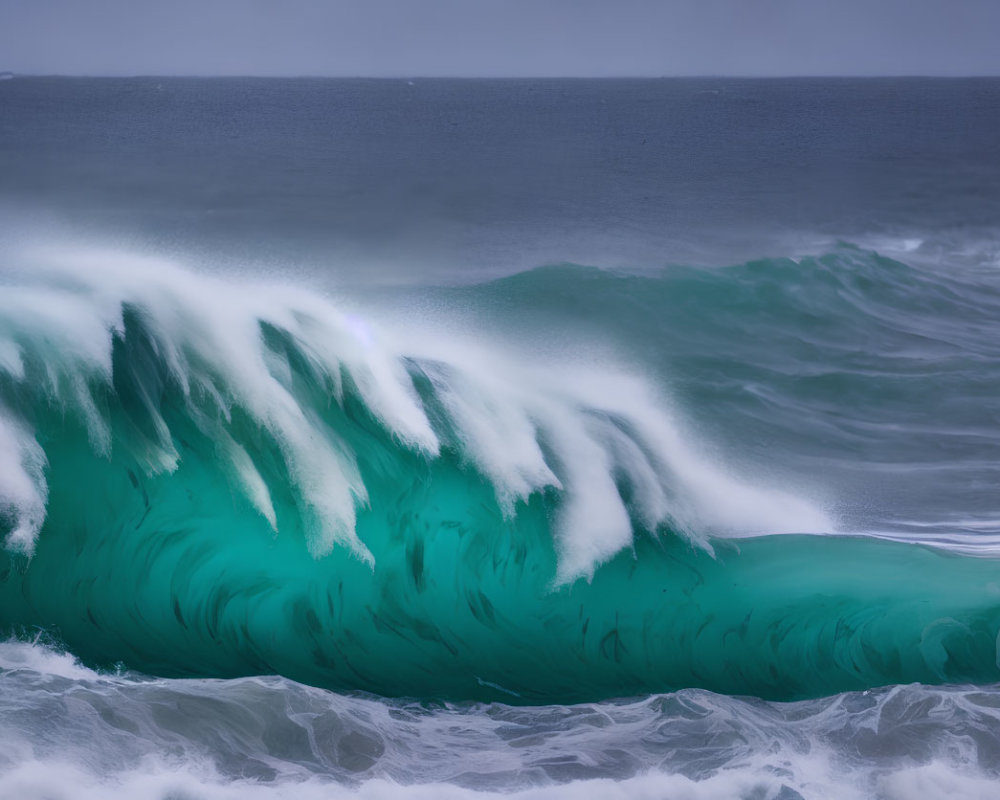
{"points": [[495, 38]]}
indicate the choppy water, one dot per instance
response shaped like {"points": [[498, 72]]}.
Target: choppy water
{"points": [[627, 439], [271, 737]]}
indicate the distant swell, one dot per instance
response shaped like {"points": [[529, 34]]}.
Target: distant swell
{"points": [[204, 478]]}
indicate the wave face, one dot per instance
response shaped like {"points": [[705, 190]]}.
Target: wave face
{"points": [[205, 478]]}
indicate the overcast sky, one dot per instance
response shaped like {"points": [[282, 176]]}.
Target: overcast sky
{"points": [[501, 38]]}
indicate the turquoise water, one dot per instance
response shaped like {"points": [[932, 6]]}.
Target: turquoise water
{"points": [[285, 493]]}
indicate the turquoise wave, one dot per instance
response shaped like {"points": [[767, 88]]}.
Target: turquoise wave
{"points": [[204, 480]]}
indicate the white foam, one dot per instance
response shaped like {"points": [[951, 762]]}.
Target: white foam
{"points": [[36, 780], [125, 736], [27, 656], [938, 780], [23, 489], [10, 359], [600, 425], [157, 779], [527, 424]]}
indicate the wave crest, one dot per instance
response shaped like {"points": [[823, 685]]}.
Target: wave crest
{"points": [[111, 340]]}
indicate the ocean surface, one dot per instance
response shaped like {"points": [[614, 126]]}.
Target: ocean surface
{"points": [[466, 439]]}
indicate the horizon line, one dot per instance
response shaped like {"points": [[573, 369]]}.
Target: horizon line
{"points": [[414, 77]]}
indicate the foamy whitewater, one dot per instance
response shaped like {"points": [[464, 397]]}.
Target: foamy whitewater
{"points": [[534, 439]]}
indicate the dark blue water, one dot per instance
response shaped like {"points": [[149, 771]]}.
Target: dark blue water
{"points": [[464, 179]]}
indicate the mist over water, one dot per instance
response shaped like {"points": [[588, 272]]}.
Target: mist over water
{"points": [[616, 438]]}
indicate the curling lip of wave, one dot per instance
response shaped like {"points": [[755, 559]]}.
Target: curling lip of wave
{"points": [[528, 428]]}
